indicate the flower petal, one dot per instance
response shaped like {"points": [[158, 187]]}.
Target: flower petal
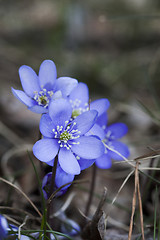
{"points": [[85, 121], [65, 85], [50, 163], [20, 95], [89, 147], [104, 161], [102, 120], [81, 93], [29, 80], [100, 105], [85, 163], [118, 130], [38, 109], [47, 74], [120, 148], [63, 177], [46, 126], [56, 95], [60, 111], [68, 162], [97, 130], [46, 149]]}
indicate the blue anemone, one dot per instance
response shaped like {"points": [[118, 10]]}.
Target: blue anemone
{"points": [[40, 90], [79, 99], [67, 137], [60, 179], [110, 136]]}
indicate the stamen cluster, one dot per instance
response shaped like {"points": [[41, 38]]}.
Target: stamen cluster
{"points": [[77, 107], [66, 134], [43, 97]]}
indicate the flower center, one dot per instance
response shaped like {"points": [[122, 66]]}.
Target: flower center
{"points": [[65, 136], [43, 97], [78, 107], [76, 113]]}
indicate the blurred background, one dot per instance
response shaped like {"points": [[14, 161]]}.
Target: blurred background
{"points": [[113, 46]]}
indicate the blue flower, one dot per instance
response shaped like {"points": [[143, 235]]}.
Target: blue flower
{"points": [[15, 229], [40, 90], [110, 136], [3, 227], [66, 137], [69, 226], [79, 99], [60, 179]]}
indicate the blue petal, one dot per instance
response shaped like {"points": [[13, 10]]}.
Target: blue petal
{"points": [[104, 161], [68, 162], [3, 227], [118, 130], [63, 177], [98, 131], [60, 111], [119, 147], [57, 95], [85, 121], [47, 74], [65, 85], [85, 163], [89, 147], [102, 120], [80, 92], [70, 227], [29, 80], [46, 149], [20, 95], [100, 105], [38, 109], [50, 163], [46, 126]]}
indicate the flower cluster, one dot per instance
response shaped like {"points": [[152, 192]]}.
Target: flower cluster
{"points": [[72, 127], [74, 130]]}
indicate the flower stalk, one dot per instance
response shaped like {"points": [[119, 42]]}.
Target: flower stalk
{"points": [[52, 187], [92, 188]]}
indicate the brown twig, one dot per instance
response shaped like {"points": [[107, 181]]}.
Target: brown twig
{"points": [[133, 202], [140, 208], [136, 191], [14, 186]]}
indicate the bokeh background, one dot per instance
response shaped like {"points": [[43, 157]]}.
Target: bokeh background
{"points": [[113, 46]]}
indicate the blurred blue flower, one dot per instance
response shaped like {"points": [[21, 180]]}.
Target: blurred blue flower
{"points": [[60, 179], [3, 227], [110, 136], [69, 226], [66, 137], [15, 229], [40, 90]]}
